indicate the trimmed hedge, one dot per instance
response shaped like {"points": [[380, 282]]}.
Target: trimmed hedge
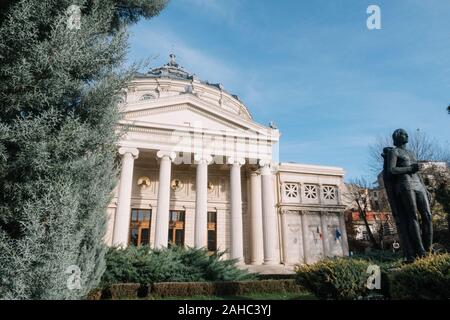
{"points": [[339, 279], [183, 289], [289, 276], [95, 294], [237, 288], [427, 278], [122, 291]]}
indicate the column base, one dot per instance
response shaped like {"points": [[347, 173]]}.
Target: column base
{"points": [[271, 263]]}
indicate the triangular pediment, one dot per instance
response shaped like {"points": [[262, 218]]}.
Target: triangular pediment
{"points": [[188, 111], [183, 115]]}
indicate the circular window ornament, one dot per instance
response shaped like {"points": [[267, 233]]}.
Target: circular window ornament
{"points": [[176, 185], [143, 182]]}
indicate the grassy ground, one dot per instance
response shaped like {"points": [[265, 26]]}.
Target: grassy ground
{"points": [[256, 296]]}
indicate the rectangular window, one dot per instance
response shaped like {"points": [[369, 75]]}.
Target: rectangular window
{"points": [[176, 228], [212, 231], [145, 236], [212, 217], [140, 226], [134, 236]]}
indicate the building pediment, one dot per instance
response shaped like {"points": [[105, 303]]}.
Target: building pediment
{"points": [[187, 111], [185, 115]]}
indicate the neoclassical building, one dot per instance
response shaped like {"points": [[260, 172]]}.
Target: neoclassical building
{"points": [[198, 171]]}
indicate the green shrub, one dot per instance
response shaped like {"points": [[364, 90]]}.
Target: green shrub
{"points": [[427, 278], [338, 278], [175, 264]]}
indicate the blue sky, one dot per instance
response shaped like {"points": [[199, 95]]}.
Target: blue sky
{"points": [[331, 85]]}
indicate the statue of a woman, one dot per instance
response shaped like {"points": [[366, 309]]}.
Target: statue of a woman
{"points": [[407, 197]]}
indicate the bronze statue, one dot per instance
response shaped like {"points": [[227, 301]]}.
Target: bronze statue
{"points": [[407, 195]]}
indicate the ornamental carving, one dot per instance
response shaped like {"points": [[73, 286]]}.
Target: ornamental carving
{"points": [[176, 185], [329, 192], [291, 190], [143, 183], [311, 191], [210, 187]]}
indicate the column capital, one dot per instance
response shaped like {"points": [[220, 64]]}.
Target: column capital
{"points": [[264, 162], [203, 158], [265, 168], [169, 154], [236, 160], [133, 151]]}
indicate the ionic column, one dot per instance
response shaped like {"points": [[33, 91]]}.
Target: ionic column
{"points": [[304, 220], [270, 225], [123, 211], [162, 212], [201, 201], [285, 238], [323, 222], [256, 225], [237, 245]]}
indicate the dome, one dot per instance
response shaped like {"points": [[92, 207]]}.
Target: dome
{"points": [[173, 71]]}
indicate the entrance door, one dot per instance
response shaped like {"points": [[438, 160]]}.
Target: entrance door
{"points": [[176, 227], [140, 227]]}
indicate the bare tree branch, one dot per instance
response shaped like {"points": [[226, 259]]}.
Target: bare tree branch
{"points": [[358, 193], [424, 147]]}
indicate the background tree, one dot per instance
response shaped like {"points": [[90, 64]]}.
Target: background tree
{"points": [[424, 147], [437, 179], [357, 194], [59, 88]]}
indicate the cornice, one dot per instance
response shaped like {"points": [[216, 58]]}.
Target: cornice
{"points": [[311, 207], [167, 129], [310, 169]]}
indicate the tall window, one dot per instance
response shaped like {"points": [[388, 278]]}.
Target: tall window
{"points": [[212, 231], [140, 226], [176, 227]]}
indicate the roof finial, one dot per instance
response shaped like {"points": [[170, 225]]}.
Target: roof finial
{"points": [[172, 58]]}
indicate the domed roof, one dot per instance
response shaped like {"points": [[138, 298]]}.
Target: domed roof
{"points": [[172, 70]]}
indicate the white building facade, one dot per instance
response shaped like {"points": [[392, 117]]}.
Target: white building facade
{"points": [[198, 171]]}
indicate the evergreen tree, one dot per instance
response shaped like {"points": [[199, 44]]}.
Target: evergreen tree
{"points": [[59, 90]]}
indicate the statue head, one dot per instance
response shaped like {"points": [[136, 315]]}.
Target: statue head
{"points": [[400, 137]]}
